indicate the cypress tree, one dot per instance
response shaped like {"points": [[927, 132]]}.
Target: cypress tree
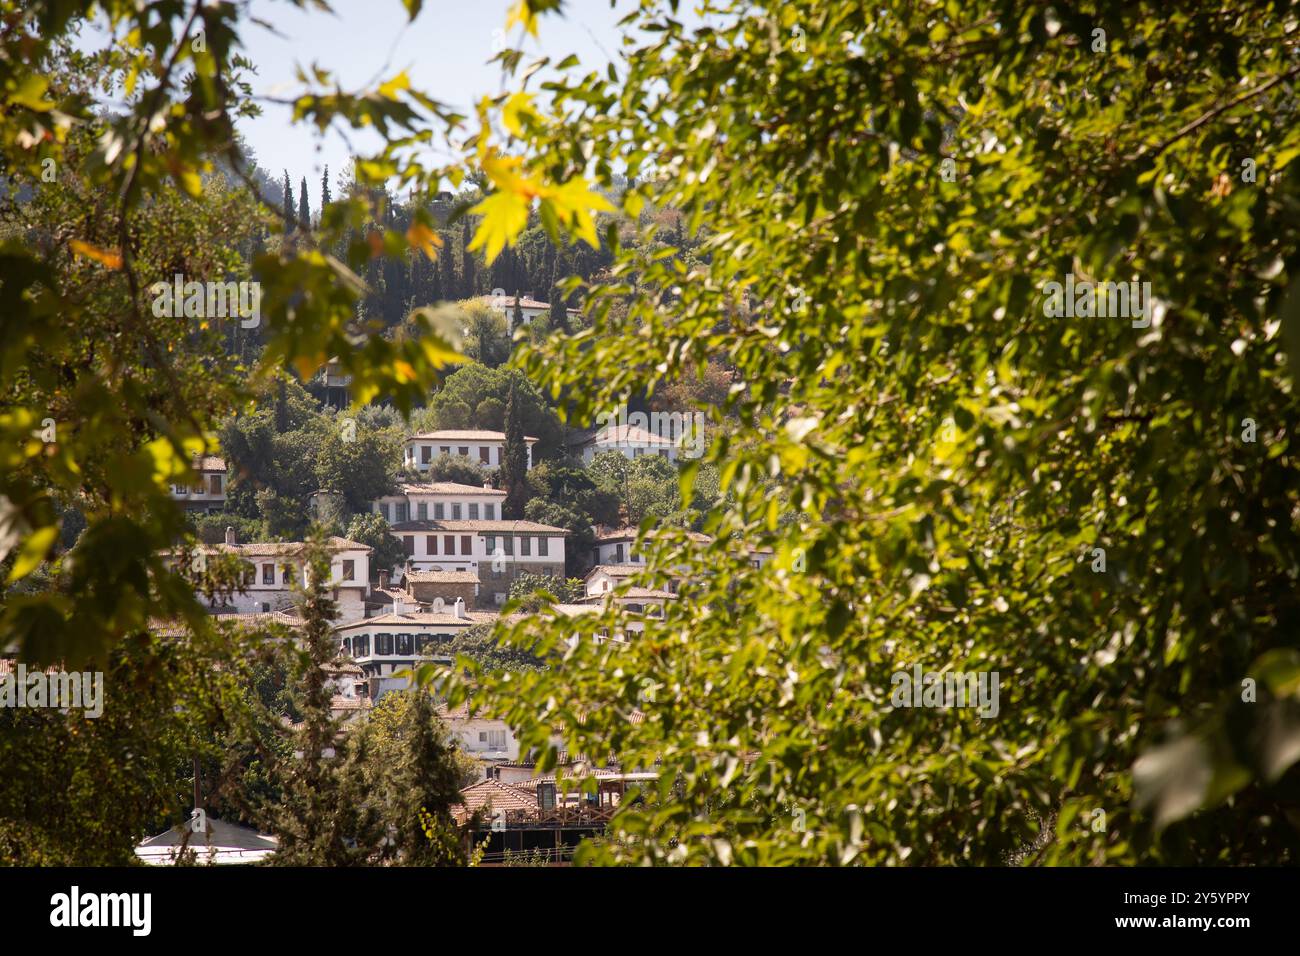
{"points": [[325, 198], [288, 203], [447, 268], [304, 210], [466, 262], [514, 461], [559, 314], [312, 824]]}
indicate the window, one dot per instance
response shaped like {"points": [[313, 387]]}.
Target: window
{"points": [[430, 544], [383, 643], [618, 554], [268, 574], [445, 450], [408, 543], [422, 642], [426, 453], [509, 542], [349, 570], [473, 511], [484, 453], [422, 511], [403, 512], [361, 646], [347, 646], [463, 451], [543, 546], [456, 512], [496, 740], [490, 512], [405, 644], [214, 484], [482, 736], [466, 544], [448, 544], [437, 512], [491, 540], [526, 546], [383, 510]]}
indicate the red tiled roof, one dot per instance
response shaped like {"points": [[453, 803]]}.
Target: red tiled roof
{"points": [[462, 434], [482, 526], [446, 488]]}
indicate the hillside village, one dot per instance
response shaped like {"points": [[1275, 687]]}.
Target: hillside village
{"points": [[436, 550]]}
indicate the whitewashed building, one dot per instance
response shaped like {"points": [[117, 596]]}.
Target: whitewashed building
{"points": [[383, 646], [275, 567], [496, 551], [489, 739], [480, 446], [631, 441], [207, 492], [439, 501]]}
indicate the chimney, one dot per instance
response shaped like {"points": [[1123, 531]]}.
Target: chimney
{"points": [[383, 580], [230, 534], [459, 609], [487, 486]]}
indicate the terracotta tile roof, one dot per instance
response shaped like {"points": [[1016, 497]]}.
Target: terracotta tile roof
{"points": [[481, 526], [508, 302], [210, 463], [260, 618], [614, 570], [463, 434], [340, 703], [441, 577], [445, 488], [630, 534], [421, 618], [625, 435], [495, 795], [278, 549]]}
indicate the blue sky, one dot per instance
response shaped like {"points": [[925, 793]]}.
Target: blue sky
{"points": [[446, 51]]}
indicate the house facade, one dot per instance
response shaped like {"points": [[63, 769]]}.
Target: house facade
{"points": [[207, 493], [276, 571], [495, 551], [441, 500], [485, 448], [383, 646], [631, 441]]}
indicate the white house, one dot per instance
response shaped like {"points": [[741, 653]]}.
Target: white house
{"points": [[608, 584], [505, 304], [632, 441], [208, 490], [384, 645], [275, 567], [618, 546], [497, 551], [483, 447], [440, 500], [487, 738]]}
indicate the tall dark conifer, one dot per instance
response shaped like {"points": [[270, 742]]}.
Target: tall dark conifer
{"points": [[288, 203], [467, 278], [304, 209], [514, 461]]}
